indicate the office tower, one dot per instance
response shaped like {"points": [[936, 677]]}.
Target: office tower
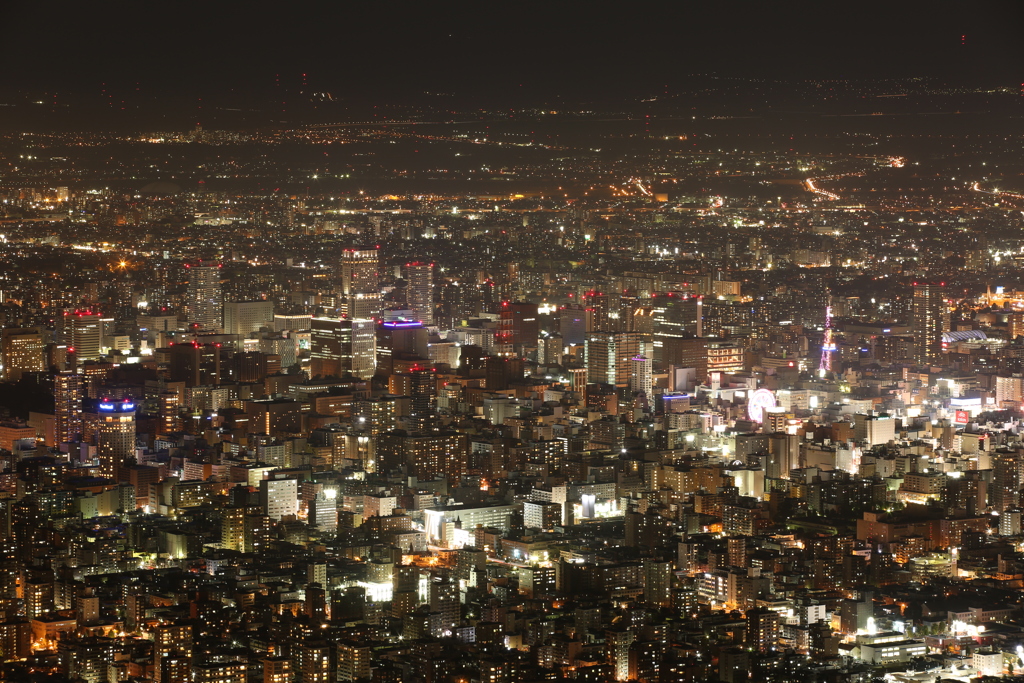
{"points": [[83, 334], [195, 364], [360, 282], [572, 325], [420, 290], [115, 435], [341, 346], [641, 376], [205, 299], [292, 322], [684, 353], [246, 317], [517, 324], [67, 394], [608, 356], [501, 372], [725, 357], [23, 351], [929, 318], [400, 340], [604, 312]]}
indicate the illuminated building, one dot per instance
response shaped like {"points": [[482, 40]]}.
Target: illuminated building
{"points": [[205, 298], [172, 653], [420, 290], [339, 347], [425, 456], [23, 351], [246, 317], [83, 333], [400, 339], [640, 377], [762, 629], [219, 672], [279, 497], [195, 364], [609, 355], [724, 357], [353, 662], [313, 662], [929, 319], [360, 282], [115, 435], [67, 393], [277, 670]]}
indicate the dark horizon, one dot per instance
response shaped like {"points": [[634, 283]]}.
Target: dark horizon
{"points": [[359, 53]]}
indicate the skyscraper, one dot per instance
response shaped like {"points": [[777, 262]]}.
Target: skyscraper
{"points": [[609, 354], [205, 298], [67, 394], [360, 282], [339, 346], [641, 376], [115, 437], [420, 278], [930, 318], [23, 351], [517, 324], [83, 334]]}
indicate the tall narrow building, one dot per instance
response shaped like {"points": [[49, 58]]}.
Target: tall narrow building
{"points": [[360, 282], [115, 436], [929, 318], [205, 298], [83, 334], [420, 278], [67, 394]]}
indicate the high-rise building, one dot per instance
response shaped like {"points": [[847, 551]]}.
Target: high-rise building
{"points": [[420, 290], [246, 317], [343, 346], [172, 652], [115, 436], [400, 339], [609, 355], [83, 334], [67, 394], [205, 298], [762, 629], [1007, 480], [195, 364], [929, 318], [641, 376], [24, 350], [517, 324], [360, 282]]}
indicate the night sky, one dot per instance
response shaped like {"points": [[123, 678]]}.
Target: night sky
{"points": [[398, 50]]}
